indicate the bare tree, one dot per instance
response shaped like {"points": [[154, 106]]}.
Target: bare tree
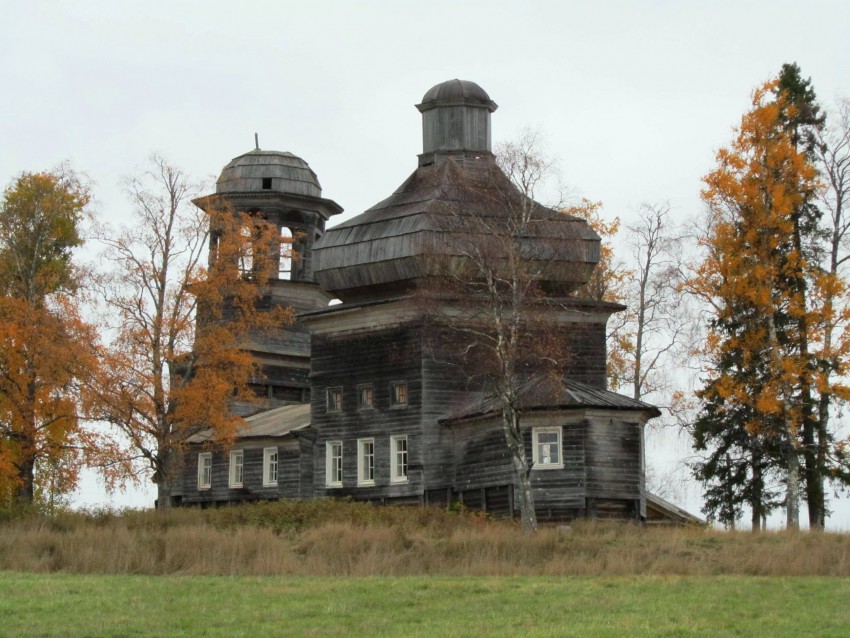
{"points": [[832, 349], [172, 375], [497, 294], [656, 305]]}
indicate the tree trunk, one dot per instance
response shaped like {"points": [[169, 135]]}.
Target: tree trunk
{"points": [[792, 489], [814, 477], [822, 443], [25, 492], [792, 460], [524, 493], [757, 498], [163, 491]]}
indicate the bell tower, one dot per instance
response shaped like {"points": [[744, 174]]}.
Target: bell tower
{"points": [[281, 189]]}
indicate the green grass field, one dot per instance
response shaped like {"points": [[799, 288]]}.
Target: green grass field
{"points": [[118, 605]]}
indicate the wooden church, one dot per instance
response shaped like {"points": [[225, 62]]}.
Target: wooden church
{"points": [[363, 397]]}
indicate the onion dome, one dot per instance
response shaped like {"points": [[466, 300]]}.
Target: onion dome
{"points": [[270, 172]]}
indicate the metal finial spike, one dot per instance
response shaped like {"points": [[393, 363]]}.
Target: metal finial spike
{"points": [[257, 141]]}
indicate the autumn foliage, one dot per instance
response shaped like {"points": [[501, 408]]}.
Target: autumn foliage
{"points": [[180, 359], [750, 275], [48, 353]]}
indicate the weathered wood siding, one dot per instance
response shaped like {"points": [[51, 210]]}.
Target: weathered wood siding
{"points": [[456, 128], [445, 388], [613, 458], [601, 475], [586, 353], [295, 471], [379, 359], [483, 462]]}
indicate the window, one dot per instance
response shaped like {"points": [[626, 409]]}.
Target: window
{"points": [[204, 470], [365, 461], [398, 459], [546, 448], [237, 458], [246, 251], [267, 183], [365, 396], [270, 466], [398, 393], [334, 399], [333, 463], [284, 268]]}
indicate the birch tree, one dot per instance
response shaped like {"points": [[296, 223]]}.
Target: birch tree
{"points": [[177, 361], [653, 295]]}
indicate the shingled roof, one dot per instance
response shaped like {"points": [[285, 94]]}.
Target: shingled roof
{"points": [[419, 231], [547, 393], [270, 423]]}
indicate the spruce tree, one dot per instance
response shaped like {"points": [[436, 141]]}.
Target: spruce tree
{"points": [[801, 120]]}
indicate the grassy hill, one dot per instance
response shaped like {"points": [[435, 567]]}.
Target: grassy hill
{"points": [[331, 538]]}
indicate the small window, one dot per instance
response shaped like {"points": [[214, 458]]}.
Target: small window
{"points": [[333, 463], [365, 396], [365, 461], [267, 183], [546, 448], [398, 393], [237, 458], [284, 267], [270, 466], [398, 459], [334, 399], [204, 470]]}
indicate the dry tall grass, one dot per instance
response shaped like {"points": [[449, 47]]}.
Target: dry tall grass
{"points": [[326, 538]]}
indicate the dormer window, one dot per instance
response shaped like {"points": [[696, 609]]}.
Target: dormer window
{"points": [[267, 183]]}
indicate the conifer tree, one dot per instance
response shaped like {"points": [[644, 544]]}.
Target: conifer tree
{"points": [[802, 120], [749, 275]]}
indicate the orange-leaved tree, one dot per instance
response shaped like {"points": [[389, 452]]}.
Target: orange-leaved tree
{"points": [[748, 273], [177, 360], [47, 351]]}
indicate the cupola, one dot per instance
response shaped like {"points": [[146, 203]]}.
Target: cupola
{"points": [[455, 119], [414, 236]]}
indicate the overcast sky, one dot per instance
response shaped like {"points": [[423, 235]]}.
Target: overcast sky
{"points": [[633, 98]]}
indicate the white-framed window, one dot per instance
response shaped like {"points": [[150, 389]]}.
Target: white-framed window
{"points": [[333, 463], [334, 399], [365, 396], [398, 393], [237, 463], [546, 447], [398, 459], [204, 470], [365, 461], [269, 466]]}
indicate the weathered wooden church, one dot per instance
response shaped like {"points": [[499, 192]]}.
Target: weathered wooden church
{"points": [[358, 405]]}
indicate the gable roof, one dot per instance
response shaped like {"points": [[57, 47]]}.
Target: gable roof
{"points": [[548, 393], [269, 423]]}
